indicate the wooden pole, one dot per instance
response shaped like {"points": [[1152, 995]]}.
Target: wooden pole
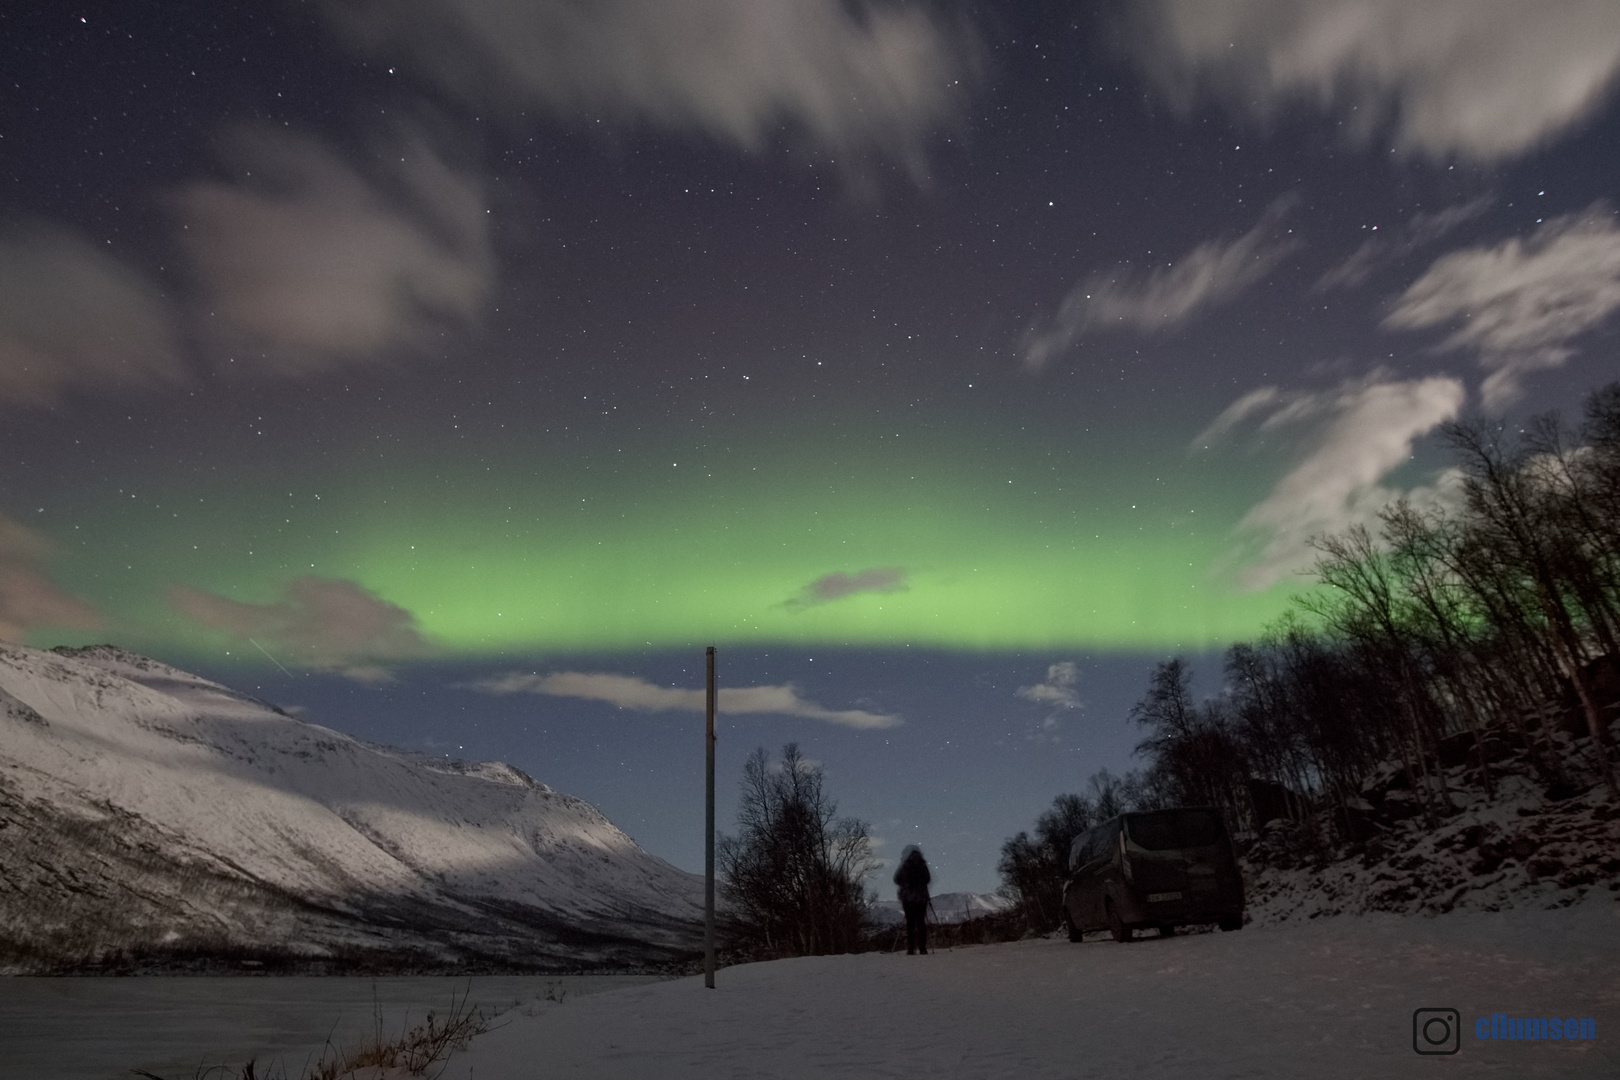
{"points": [[708, 833]]}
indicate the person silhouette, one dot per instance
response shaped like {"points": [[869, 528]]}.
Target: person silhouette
{"points": [[913, 878]]}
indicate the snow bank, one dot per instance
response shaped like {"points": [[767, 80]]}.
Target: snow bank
{"points": [[1326, 999]]}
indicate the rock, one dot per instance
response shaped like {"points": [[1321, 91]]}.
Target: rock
{"points": [[1544, 866], [1456, 749]]}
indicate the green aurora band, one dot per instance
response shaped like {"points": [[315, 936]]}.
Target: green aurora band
{"points": [[1033, 547]]}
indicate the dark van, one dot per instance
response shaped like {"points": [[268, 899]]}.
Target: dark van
{"points": [[1159, 868]]}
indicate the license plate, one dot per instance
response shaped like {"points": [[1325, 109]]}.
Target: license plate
{"points": [[1156, 897]]}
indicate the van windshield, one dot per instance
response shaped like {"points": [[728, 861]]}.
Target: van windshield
{"points": [[1175, 829]]}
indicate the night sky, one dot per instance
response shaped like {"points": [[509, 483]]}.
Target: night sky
{"points": [[453, 371]]}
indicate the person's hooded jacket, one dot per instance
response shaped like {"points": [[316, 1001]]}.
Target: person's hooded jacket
{"points": [[912, 876]]}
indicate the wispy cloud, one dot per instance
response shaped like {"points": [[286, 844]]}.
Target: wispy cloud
{"points": [[873, 76], [74, 318], [1356, 435], [28, 597], [1059, 687], [1485, 79], [629, 692], [1254, 403], [1212, 273], [838, 585], [1519, 304], [1380, 251], [319, 623], [307, 261]]}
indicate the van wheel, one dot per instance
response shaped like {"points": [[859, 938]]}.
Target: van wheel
{"points": [[1074, 931], [1231, 922], [1121, 932], [1167, 930]]}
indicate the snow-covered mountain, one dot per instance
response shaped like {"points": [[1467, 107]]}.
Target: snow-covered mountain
{"points": [[955, 907], [153, 816]]}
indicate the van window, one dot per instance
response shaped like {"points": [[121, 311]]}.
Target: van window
{"points": [[1091, 844], [1175, 829], [1077, 852]]}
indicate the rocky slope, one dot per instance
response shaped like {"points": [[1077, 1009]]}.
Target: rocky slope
{"points": [[151, 818], [1526, 843]]}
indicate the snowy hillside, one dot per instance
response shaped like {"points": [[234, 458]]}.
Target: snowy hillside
{"points": [[150, 813], [1521, 845]]}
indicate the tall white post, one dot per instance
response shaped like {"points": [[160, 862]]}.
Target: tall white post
{"points": [[708, 833]]}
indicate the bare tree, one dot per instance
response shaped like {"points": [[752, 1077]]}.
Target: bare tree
{"points": [[1033, 868], [1515, 516], [1191, 745], [795, 872]]}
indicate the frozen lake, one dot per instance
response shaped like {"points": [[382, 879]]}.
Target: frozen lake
{"points": [[102, 1028]]}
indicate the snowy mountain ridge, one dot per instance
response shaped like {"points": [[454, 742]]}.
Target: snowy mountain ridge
{"points": [[954, 907], [150, 813]]}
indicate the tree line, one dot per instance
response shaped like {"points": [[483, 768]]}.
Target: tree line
{"points": [[1459, 633]]}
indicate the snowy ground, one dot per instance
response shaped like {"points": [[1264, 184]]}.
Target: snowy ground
{"points": [[1325, 999]]}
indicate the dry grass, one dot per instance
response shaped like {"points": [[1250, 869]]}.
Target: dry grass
{"points": [[416, 1050]]}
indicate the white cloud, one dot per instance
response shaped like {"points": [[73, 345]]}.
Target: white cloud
{"points": [[306, 262], [72, 317], [836, 586], [1484, 79], [1519, 304], [28, 598], [318, 623], [1379, 251], [850, 76], [1359, 433], [1058, 689], [629, 692], [1212, 273]]}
